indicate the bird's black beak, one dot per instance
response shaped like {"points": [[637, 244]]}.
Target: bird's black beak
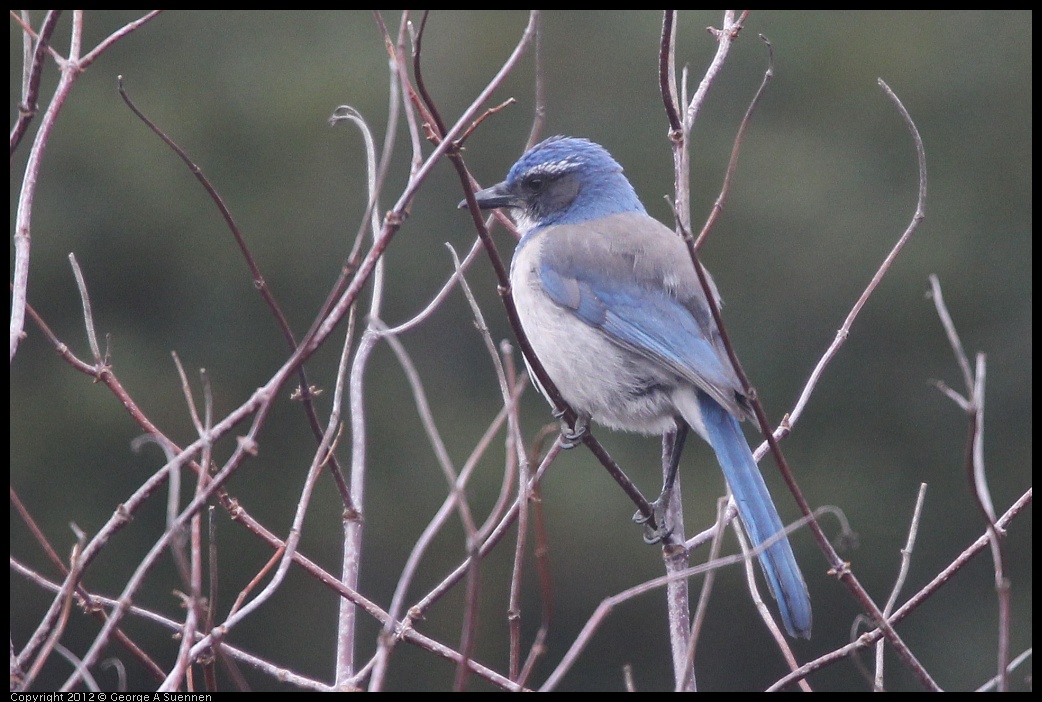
{"points": [[496, 196]]}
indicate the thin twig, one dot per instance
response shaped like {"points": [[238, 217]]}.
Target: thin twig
{"points": [[32, 72], [973, 405], [899, 581], [88, 314]]}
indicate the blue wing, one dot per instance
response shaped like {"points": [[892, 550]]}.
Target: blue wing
{"points": [[630, 277]]}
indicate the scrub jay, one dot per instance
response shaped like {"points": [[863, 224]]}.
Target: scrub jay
{"points": [[612, 306]]}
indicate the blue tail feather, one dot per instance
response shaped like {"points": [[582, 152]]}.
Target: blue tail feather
{"points": [[759, 516]]}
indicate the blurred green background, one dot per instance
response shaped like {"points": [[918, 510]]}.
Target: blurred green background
{"points": [[826, 183]]}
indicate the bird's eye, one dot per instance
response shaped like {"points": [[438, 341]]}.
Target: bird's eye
{"points": [[536, 183]]}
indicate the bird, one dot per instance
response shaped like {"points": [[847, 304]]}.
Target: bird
{"points": [[611, 305]]}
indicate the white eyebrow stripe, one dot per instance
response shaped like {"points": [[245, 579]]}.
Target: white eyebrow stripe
{"points": [[554, 167]]}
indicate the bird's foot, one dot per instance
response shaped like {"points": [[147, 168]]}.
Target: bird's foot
{"points": [[571, 436], [655, 527]]}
